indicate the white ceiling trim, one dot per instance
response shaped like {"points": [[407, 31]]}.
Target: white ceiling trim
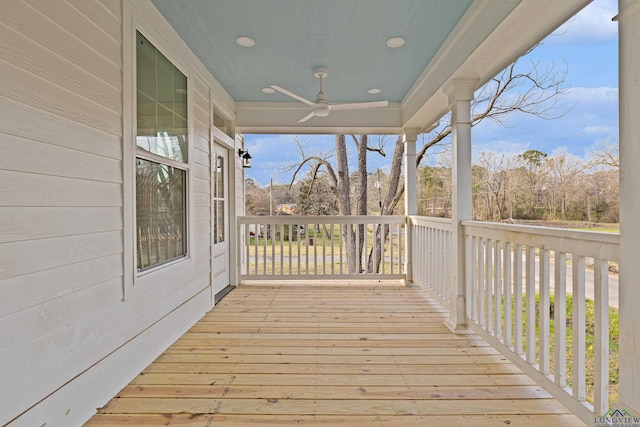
{"points": [[282, 118]]}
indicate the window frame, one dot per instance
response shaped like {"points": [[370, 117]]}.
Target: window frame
{"points": [[140, 153], [135, 20]]}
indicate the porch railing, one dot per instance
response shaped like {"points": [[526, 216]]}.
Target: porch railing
{"points": [[513, 282], [327, 247], [519, 280], [431, 252], [526, 287]]}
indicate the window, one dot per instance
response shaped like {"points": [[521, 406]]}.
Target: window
{"points": [[161, 158], [218, 200], [222, 124]]}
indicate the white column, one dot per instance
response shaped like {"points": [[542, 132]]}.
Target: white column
{"points": [[629, 283], [410, 195], [460, 94]]}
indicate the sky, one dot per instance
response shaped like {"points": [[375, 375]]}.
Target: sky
{"points": [[586, 45]]}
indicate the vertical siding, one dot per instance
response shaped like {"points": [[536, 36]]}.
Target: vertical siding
{"points": [[62, 311]]}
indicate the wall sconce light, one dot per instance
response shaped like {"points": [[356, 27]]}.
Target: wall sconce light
{"points": [[246, 158]]}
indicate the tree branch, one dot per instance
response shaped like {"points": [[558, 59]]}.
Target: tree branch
{"points": [[319, 162], [379, 150]]}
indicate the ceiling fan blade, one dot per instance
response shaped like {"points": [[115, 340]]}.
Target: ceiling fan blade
{"points": [[293, 95], [358, 105], [307, 117]]}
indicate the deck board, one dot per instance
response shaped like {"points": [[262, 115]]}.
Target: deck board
{"points": [[331, 355]]}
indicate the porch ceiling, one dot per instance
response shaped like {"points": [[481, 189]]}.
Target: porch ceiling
{"points": [[444, 40]]}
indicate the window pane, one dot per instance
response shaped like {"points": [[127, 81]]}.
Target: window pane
{"points": [[180, 94], [220, 178], [219, 202], [219, 236], [216, 161], [146, 66], [216, 238], [165, 145], [165, 120], [165, 82], [160, 213], [146, 110], [180, 129], [161, 104]]}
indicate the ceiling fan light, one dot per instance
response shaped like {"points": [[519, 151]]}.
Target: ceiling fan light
{"points": [[268, 90], [321, 112]]}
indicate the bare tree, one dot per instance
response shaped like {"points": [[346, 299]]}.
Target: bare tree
{"points": [[316, 161], [495, 181], [535, 170], [315, 196], [604, 161], [565, 170], [604, 153], [256, 198], [389, 203], [534, 92]]}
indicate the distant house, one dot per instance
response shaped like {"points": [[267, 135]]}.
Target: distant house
{"points": [[286, 209]]}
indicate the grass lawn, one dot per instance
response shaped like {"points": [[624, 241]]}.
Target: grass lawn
{"points": [[318, 252], [589, 356]]}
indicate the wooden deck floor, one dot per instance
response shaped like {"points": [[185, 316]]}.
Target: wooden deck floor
{"points": [[339, 354]]}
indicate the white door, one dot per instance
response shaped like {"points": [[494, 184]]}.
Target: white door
{"points": [[220, 222]]}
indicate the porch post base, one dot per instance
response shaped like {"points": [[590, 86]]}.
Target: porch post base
{"points": [[457, 327], [457, 321]]}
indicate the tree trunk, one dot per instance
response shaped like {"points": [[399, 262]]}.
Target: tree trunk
{"points": [[391, 199], [344, 190], [361, 193], [344, 202]]}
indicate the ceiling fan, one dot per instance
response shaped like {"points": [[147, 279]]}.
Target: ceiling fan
{"points": [[321, 107]]}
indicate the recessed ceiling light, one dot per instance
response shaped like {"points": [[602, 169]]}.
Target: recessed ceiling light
{"points": [[268, 90], [245, 41], [374, 91], [395, 42]]}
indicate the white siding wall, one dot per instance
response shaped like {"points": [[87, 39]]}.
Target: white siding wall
{"points": [[73, 328], [201, 173]]}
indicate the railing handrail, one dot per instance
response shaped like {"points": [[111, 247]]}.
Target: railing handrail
{"points": [[322, 219], [445, 223], [593, 244]]}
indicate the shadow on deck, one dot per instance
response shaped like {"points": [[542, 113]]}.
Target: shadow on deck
{"points": [[335, 353]]}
